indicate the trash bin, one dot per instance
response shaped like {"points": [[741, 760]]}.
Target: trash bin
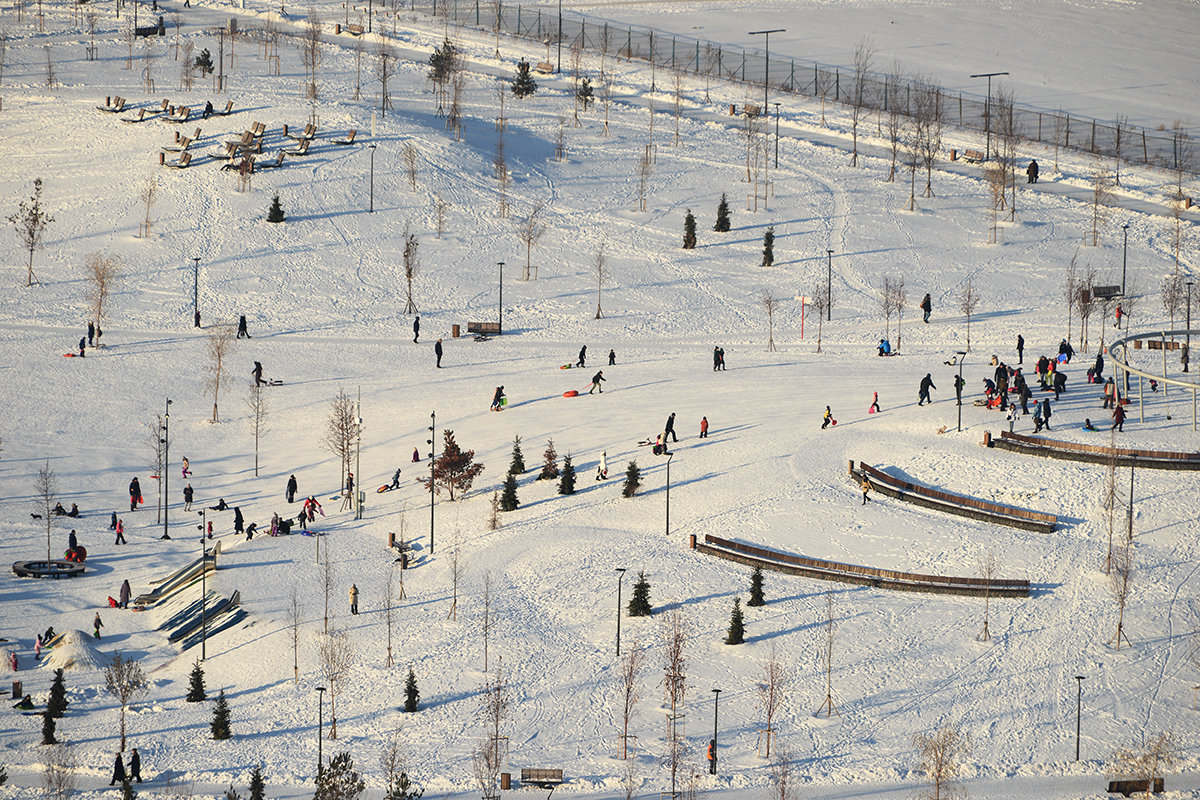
{"points": [[953, 154], [454, 331], [505, 781], [16, 690]]}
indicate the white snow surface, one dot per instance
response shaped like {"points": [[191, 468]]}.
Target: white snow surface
{"points": [[324, 295]]}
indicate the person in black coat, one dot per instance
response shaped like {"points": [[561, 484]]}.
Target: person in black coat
{"points": [[1060, 383], [437, 351], [1098, 368], [118, 775], [242, 332], [1020, 349], [669, 430], [292, 488], [72, 540], [927, 306], [238, 522], [582, 362], [596, 379], [416, 328], [926, 385], [1046, 412], [112, 523], [1032, 171], [188, 494], [135, 494], [135, 766], [258, 378], [612, 357], [91, 333], [82, 342]]}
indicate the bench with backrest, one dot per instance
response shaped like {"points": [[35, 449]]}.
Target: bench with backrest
{"points": [[310, 131], [490, 328], [278, 162], [181, 163], [353, 30], [348, 140], [544, 778], [228, 109], [117, 104], [545, 68], [1128, 786], [179, 147], [141, 116], [973, 156], [302, 150], [182, 114]]}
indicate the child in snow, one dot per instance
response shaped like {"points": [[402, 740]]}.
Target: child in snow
{"points": [[97, 625], [1088, 426], [704, 427], [395, 480], [602, 469], [187, 468], [865, 486], [612, 357], [497, 397], [874, 409], [120, 532], [828, 418], [416, 456]]}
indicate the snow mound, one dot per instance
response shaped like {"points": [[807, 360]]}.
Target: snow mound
{"points": [[75, 650]]}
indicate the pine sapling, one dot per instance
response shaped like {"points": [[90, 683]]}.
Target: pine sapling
{"points": [[257, 785], [566, 483], [412, 697], [275, 214], [57, 704], [756, 588], [633, 480], [737, 629], [639, 604], [127, 792], [550, 463], [508, 500], [220, 720], [196, 693], [722, 224], [689, 231], [517, 467], [48, 726]]}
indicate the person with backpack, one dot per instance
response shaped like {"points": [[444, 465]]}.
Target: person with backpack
{"points": [[497, 396], [135, 494], [927, 306]]}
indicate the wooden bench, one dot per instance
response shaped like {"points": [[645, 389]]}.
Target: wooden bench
{"points": [[488, 328], [545, 67], [543, 778], [353, 30], [1131, 785], [751, 110], [973, 156]]}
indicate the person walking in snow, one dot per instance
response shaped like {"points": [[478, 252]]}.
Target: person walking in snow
{"points": [[602, 468], [395, 480], [721, 358], [1032, 171], [596, 379], [290, 491], [496, 397], [437, 351], [312, 506], [258, 378], [1110, 391], [135, 494], [72, 540], [238, 522], [91, 333], [120, 533], [241, 331], [704, 427], [123, 597], [97, 625], [135, 766], [670, 429], [874, 409], [118, 775], [828, 418], [923, 393], [865, 486], [112, 522], [1020, 349], [612, 357], [1119, 418], [187, 468], [927, 306], [416, 329], [81, 344], [716, 358], [1065, 349], [1046, 412], [188, 494], [353, 598], [1060, 384], [582, 362]]}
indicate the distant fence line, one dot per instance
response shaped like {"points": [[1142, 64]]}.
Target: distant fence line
{"points": [[1167, 149]]}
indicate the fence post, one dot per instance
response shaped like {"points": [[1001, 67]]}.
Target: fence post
{"points": [[837, 85], [672, 52], [792, 77], [743, 66], [1093, 136], [1067, 142]]}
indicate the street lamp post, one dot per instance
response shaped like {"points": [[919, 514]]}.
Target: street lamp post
{"points": [[432, 453], [767, 62], [166, 481], [372, 209], [1124, 256], [669, 457], [1188, 344], [196, 289], [958, 387], [559, 70], [320, 725], [500, 305], [1078, 710], [203, 582], [712, 762], [829, 285], [777, 136], [620, 578], [987, 111]]}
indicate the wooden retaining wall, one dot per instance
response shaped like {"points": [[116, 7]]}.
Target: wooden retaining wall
{"points": [[1095, 454]]}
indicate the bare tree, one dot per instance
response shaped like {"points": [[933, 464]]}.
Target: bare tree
{"points": [[1008, 138], [502, 177], [294, 618], [327, 579], [1085, 305], [310, 51], [220, 345], [158, 456], [359, 47], [968, 300], [456, 571], [645, 170], [819, 305], [530, 230], [560, 140], [187, 69], [677, 97], [341, 430], [1101, 195], [606, 100], [256, 403], [1119, 579], [125, 681], [493, 520], [148, 195], [780, 774], [486, 623], [1121, 133], [899, 302], [828, 705], [864, 52], [454, 118], [601, 272], [894, 124], [441, 209], [30, 222], [929, 106], [335, 655], [395, 773], [385, 68], [1185, 156], [939, 756], [494, 712], [408, 155], [412, 264], [997, 181], [389, 609], [987, 571], [1147, 762], [769, 304], [59, 770], [888, 305], [674, 633], [771, 691], [1173, 294], [630, 690], [45, 498], [1071, 290], [913, 140]]}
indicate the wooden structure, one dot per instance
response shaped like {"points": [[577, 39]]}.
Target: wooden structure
{"points": [[1096, 454]]}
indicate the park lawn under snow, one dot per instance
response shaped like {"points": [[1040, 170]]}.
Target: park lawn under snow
{"points": [[324, 294]]}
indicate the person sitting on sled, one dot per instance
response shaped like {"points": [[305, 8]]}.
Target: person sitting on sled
{"points": [[885, 347]]}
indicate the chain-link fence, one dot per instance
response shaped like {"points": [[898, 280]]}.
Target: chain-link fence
{"points": [[1168, 148]]}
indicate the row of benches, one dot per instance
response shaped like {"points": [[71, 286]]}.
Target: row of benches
{"points": [[1095, 454]]}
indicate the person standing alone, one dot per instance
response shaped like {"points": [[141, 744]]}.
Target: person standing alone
{"points": [[437, 351], [670, 428], [927, 306], [582, 362], [416, 328], [353, 598], [292, 487]]}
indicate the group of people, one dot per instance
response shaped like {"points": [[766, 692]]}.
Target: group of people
{"points": [[123, 775]]}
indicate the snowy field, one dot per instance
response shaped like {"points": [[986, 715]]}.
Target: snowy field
{"points": [[324, 294]]}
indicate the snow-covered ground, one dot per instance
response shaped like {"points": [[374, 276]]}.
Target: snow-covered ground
{"points": [[324, 296]]}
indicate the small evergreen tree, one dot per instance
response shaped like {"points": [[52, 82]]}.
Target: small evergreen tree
{"points": [[57, 704], [48, 726], [401, 788], [756, 588], [232, 793], [443, 62], [722, 225], [737, 630], [338, 780], [508, 500], [257, 784], [3, 774], [127, 792], [549, 463], [411, 696], [275, 214], [523, 85], [689, 231], [455, 469], [196, 693], [566, 484], [204, 62], [220, 720], [639, 604], [769, 247], [585, 93], [633, 480], [517, 467]]}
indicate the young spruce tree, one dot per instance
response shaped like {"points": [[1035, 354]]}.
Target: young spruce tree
{"points": [[689, 231], [275, 213], [633, 480], [756, 588], [566, 483], [57, 704], [737, 630], [196, 693], [258, 786], [412, 697], [722, 225], [220, 720], [508, 500], [769, 247], [338, 780], [517, 467], [523, 85], [550, 463], [639, 604], [48, 726]]}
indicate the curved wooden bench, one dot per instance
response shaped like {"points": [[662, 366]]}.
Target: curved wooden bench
{"points": [[855, 574], [959, 504], [1094, 454], [55, 568]]}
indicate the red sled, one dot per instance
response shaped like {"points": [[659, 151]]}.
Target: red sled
{"points": [[70, 355], [571, 393], [833, 421]]}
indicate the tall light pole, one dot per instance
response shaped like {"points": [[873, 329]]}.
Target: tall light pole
{"points": [[1078, 710], [1124, 256], [432, 453], [669, 457], [559, 69], [620, 578], [358, 493], [196, 289], [767, 62], [987, 111], [166, 481], [777, 136], [829, 285], [1188, 345], [372, 208], [712, 764], [958, 387], [500, 305], [320, 726], [203, 582]]}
